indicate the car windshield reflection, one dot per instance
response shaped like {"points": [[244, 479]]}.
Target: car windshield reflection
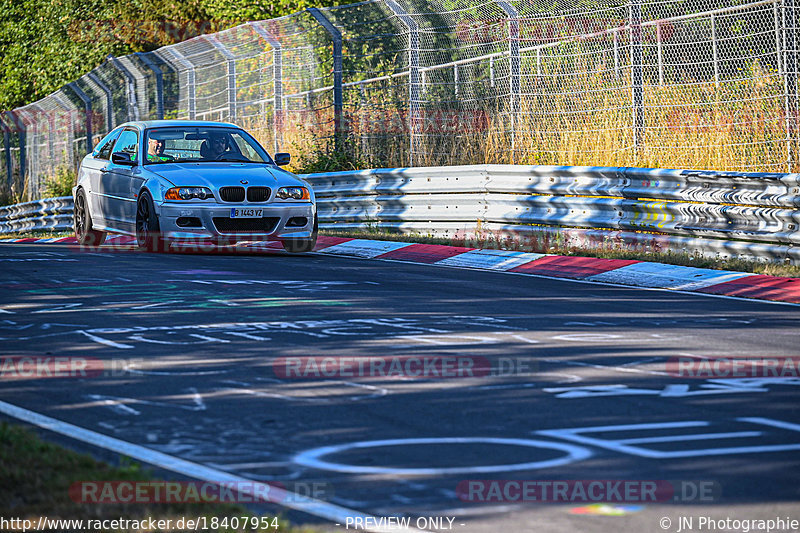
{"points": [[202, 145]]}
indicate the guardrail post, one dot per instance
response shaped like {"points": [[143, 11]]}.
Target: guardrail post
{"points": [[277, 81], [514, 64], [790, 80], [110, 119], [159, 82], [637, 96], [338, 99], [130, 88], [414, 84], [87, 106], [191, 87], [230, 60]]}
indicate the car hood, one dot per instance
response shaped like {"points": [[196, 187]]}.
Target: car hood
{"points": [[215, 175]]}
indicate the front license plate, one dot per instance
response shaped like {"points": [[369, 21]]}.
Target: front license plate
{"points": [[246, 213]]}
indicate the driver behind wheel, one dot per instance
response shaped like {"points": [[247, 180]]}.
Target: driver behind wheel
{"points": [[215, 146]]}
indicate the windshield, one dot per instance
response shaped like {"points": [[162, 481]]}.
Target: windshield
{"points": [[208, 144]]}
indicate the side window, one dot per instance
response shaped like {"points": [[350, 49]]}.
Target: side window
{"points": [[127, 142], [103, 150]]}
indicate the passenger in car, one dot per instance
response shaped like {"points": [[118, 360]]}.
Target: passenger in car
{"points": [[155, 150]]}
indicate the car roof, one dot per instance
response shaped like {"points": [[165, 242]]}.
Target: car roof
{"points": [[142, 124]]}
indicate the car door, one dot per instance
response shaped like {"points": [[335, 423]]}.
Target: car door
{"points": [[94, 167], [120, 204]]}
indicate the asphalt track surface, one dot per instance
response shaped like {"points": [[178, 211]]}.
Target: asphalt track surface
{"points": [[194, 340]]}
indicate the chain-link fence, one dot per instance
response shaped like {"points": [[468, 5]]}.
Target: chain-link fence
{"points": [[708, 84]]}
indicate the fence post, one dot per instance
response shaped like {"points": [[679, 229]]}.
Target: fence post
{"points": [[715, 50], [190, 80], [637, 96], [159, 82], [338, 100], [790, 80], [110, 119], [7, 146], [70, 130], [778, 47], [29, 111], [362, 121], [87, 106], [660, 51], [277, 81], [22, 129], [514, 70], [130, 88], [230, 60], [413, 74]]}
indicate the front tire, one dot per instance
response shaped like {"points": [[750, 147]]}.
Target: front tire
{"points": [[148, 233], [301, 246], [82, 223]]}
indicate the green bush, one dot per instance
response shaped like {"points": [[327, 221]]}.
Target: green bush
{"points": [[61, 184]]}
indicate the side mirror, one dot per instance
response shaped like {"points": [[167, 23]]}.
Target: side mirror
{"points": [[282, 158], [122, 158]]}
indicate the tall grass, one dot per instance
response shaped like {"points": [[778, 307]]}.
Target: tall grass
{"points": [[740, 125], [584, 118]]}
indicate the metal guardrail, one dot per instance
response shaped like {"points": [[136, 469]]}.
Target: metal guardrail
{"points": [[730, 214], [49, 214]]}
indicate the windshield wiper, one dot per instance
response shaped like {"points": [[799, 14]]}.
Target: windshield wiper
{"points": [[232, 160]]}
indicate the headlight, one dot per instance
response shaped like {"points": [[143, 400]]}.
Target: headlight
{"points": [[188, 193], [293, 193]]}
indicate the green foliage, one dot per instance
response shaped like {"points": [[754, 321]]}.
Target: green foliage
{"points": [[319, 154], [45, 44], [61, 184], [39, 480]]}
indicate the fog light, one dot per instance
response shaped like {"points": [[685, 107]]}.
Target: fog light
{"points": [[189, 222], [297, 222]]}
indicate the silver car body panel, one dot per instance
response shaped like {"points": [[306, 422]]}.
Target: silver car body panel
{"points": [[113, 191]]}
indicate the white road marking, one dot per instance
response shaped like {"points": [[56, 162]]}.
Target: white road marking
{"points": [[115, 404], [247, 466], [603, 367], [107, 342], [121, 404], [579, 436], [312, 458], [148, 306]]}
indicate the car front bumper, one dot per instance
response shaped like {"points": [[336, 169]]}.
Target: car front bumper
{"points": [[280, 214]]}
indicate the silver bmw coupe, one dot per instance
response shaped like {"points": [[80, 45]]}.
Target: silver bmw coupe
{"points": [[169, 180]]}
